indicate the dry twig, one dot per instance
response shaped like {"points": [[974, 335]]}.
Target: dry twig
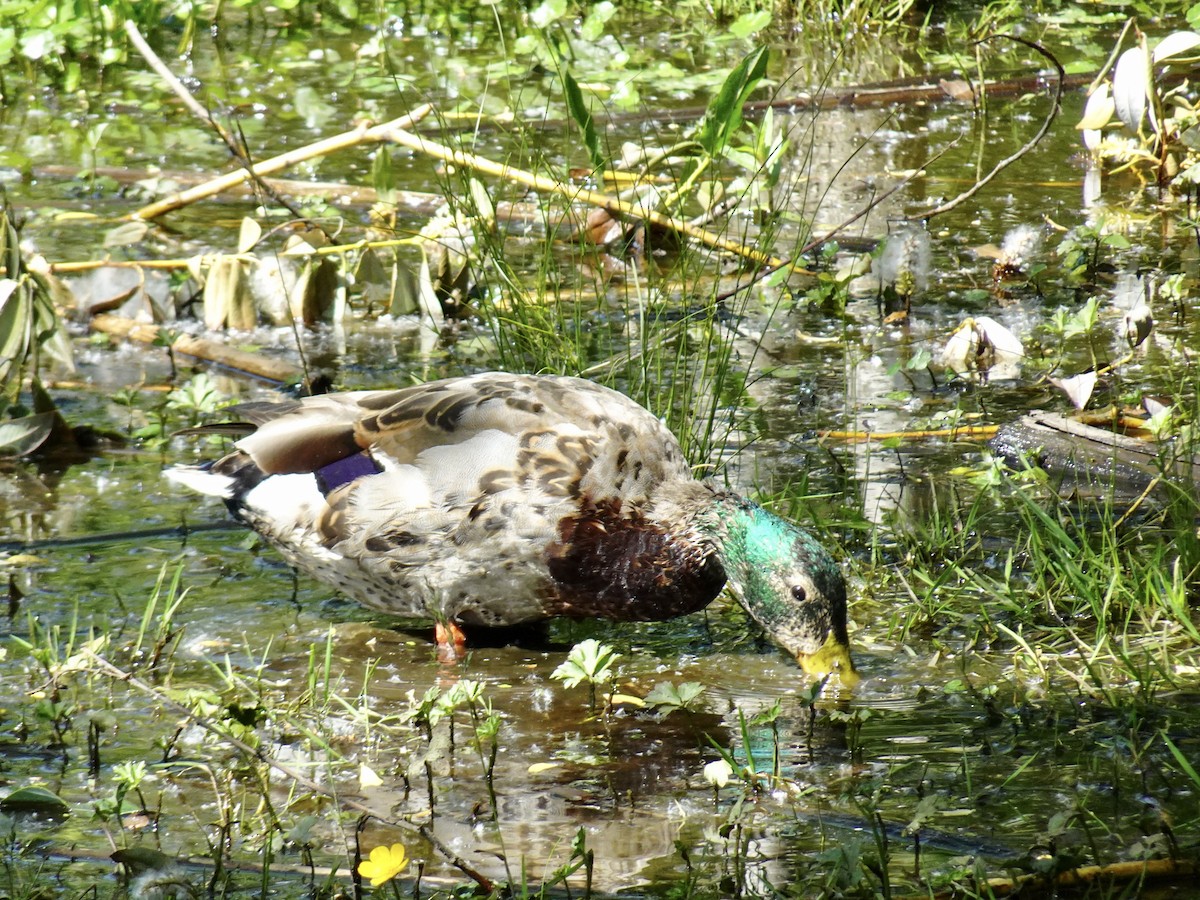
{"points": [[573, 193], [364, 134]]}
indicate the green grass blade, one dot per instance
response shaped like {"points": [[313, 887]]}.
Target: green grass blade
{"points": [[579, 111], [724, 113], [1187, 767]]}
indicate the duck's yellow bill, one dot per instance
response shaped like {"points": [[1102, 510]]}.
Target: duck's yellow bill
{"points": [[832, 658]]}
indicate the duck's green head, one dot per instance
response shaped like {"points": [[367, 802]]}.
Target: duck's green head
{"points": [[791, 586]]}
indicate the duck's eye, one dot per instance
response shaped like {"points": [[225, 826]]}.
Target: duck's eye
{"points": [[799, 594]]}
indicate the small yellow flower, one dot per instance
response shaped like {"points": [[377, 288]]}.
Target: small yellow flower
{"points": [[384, 864]]}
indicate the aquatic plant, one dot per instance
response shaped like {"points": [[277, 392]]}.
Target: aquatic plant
{"points": [[589, 662]]}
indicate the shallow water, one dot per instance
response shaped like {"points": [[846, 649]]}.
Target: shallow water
{"points": [[950, 735], [631, 780]]}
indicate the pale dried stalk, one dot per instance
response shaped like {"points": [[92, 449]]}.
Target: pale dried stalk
{"points": [[612, 204], [363, 134]]}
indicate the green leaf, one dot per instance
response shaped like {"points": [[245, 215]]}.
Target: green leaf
{"points": [[769, 715], [14, 327], [597, 18], [20, 437], [569, 673], [1083, 320], [921, 359], [548, 12], [724, 114], [669, 697], [589, 661], [1184, 764], [53, 341], [8, 43], [34, 800], [750, 23], [579, 111], [927, 807], [383, 176], [625, 94]]}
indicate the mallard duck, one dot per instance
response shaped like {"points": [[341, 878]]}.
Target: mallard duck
{"points": [[498, 499]]}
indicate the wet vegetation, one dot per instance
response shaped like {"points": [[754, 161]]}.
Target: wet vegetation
{"points": [[855, 284]]}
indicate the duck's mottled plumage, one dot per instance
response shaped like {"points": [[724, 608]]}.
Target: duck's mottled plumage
{"points": [[498, 499]]}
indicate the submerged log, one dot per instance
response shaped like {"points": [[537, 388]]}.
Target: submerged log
{"points": [[264, 367], [1088, 459]]}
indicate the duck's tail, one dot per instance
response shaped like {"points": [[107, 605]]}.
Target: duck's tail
{"points": [[203, 480]]}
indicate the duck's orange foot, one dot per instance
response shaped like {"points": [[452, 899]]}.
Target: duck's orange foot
{"points": [[451, 642]]}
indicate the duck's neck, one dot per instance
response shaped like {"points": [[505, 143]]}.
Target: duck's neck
{"points": [[737, 531], [750, 541]]}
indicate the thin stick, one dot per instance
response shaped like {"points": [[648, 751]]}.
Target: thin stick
{"points": [[364, 134], [1154, 482], [612, 204], [1055, 108], [237, 145], [964, 431], [1112, 57], [177, 86]]}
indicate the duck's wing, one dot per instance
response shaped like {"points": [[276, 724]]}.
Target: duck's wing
{"points": [[569, 435]]}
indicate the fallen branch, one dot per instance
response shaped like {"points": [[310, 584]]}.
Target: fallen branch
{"points": [[276, 370], [975, 432], [575, 194], [364, 134], [1085, 457]]}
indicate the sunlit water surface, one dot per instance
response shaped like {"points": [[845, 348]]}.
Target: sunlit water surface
{"points": [[855, 768]]}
